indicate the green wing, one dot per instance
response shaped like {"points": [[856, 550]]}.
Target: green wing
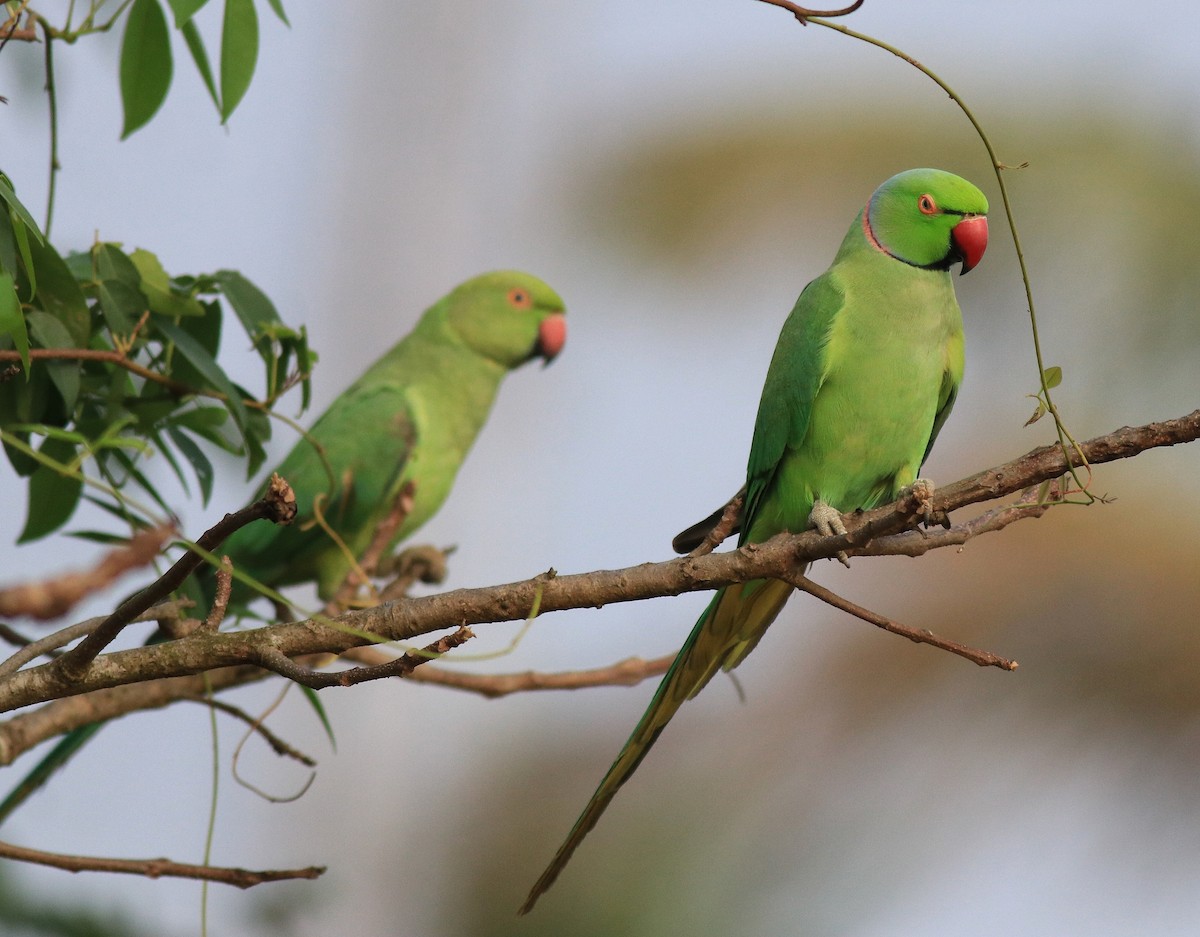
{"points": [[354, 457], [798, 368]]}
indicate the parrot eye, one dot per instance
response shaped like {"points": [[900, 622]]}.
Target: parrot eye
{"points": [[520, 299], [927, 205]]}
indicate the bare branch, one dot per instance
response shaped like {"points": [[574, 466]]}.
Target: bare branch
{"points": [[803, 13], [54, 597], [63, 637], [782, 557], [278, 745], [278, 504], [157, 868], [628, 672], [918, 635], [397, 667]]}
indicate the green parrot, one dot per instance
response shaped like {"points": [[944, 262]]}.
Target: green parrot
{"points": [[411, 417], [863, 376]]}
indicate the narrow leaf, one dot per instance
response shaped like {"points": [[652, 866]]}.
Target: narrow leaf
{"points": [[21, 234], [8, 246], [156, 285], [277, 6], [121, 304], [199, 461], [112, 263], [239, 53], [145, 64], [184, 10], [12, 321], [9, 195], [48, 332], [59, 293], [207, 366], [52, 496], [319, 708], [250, 303], [195, 45]]}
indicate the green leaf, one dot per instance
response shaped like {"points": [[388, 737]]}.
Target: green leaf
{"points": [[195, 455], [184, 10], [195, 45], [8, 247], [311, 695], [12, 321], [1052, 377], [59, 293], [21, 234], [277, 6], [8, 194], [145, 64], [239, 53], [81, 266], [122, 306], [206, 422], [112, 263], [207, 366], [249, 302], [156, 286], [52, 496], [49, 332]]}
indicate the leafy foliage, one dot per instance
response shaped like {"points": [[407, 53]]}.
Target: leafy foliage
{"points": [[105, 358]]}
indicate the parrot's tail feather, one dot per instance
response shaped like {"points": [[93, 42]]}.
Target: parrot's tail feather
{"points": [[725, 633]]}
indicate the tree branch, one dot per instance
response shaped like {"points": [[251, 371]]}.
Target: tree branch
{"points": [[54, 597], [279, 504], [877, 532], [157, 868]]}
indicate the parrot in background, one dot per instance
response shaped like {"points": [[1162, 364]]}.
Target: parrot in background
{"points": [[863, 376], [412, 417]]}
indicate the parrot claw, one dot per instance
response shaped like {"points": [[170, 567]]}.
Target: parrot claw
{"points": [[828, 522], [920, 492]]}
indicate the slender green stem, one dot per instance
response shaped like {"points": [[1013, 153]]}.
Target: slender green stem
{"points": [[53, 96], [212, 807], [1064, 435]]}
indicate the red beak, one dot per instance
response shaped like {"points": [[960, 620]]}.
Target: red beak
{"points": [[969, 238], [552, 335]]}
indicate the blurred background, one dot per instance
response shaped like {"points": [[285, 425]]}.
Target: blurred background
{"points": [[678, 171]]}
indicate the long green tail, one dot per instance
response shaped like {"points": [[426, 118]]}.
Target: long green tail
{"points": [[725, 633]]}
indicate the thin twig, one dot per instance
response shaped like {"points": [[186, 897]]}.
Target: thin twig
{"points": [[628, 672], [64, 636], [919, 635], [360, 573], [224, 579], [803, 13], [278, 504], [278, 745], [157, 868], [402, 666], [120, 360]]}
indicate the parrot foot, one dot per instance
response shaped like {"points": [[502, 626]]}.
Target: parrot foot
{"points": [[828, 522], [920, 492]]}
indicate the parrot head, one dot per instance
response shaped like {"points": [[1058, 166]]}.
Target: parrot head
{"points": [[928, 218], [509, 317]]}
